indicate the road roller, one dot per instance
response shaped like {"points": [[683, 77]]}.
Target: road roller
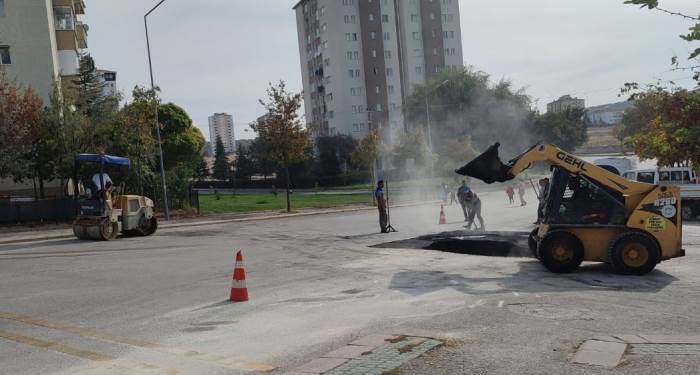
{"points": [[103, 211]]}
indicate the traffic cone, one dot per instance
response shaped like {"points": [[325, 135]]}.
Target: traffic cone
{"points": [[239, 292], [442, 215]]}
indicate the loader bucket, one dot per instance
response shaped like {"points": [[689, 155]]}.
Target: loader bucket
{"points": [[487, 167]]}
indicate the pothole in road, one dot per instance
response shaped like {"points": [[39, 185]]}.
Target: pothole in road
{"points": [[499, 244], [550, 311]]}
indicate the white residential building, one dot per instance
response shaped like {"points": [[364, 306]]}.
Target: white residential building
{"points": [[108, 78], [40, 41], [221, 126], [361, 58]]}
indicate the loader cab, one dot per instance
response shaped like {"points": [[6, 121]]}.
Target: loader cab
{"points": [[573, 200]]}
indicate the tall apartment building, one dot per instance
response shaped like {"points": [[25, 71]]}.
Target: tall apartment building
{"points": [[565, 102], [221, 126], [361, 58], [40, 41]]}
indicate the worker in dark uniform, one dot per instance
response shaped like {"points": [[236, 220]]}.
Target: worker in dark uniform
{"points": [[473, 204], [381, 205]]}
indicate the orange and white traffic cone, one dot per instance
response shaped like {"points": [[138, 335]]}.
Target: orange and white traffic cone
{"points": [[442, 215], [239, 292]]}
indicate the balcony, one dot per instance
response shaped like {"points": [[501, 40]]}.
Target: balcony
{"points": [[79, 6], [81, 33]]}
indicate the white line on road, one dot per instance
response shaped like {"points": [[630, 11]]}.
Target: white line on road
{"points": [[477, 303], [500, 303], [516, 294]]}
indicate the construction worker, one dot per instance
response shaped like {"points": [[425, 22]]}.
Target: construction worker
{"points": [[462, 198], [473, 204], [381, 205]]}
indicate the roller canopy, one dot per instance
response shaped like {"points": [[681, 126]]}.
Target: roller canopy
{"points": [[106, 159]]}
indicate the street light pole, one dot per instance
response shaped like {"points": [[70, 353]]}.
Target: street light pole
{"points": [[153, 87], [427, 113]]}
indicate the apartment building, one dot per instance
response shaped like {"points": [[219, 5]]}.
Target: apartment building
{"points": [[221, 126], [40, 41], [565, 102], [108, 80], [361, 58]]}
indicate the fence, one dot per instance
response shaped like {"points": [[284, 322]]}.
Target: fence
{"points": [[52, 209]]}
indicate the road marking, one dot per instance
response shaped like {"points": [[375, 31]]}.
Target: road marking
{"points": [[516, 294], [500, 303], [52, 345], [477, 303], [91, 333]]}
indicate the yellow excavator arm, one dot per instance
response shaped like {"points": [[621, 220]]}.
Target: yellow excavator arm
{"points": [[489, 168]]}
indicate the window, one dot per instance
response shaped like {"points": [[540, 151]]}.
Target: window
{"points": [[346, 19], [360, 108], [329, 97], [331, 114], [348, 2], [354, 36], [385, 18], [434, 51], [355, 127], [5, 55], [356, 55], [362, 126], [63, 17], [348, 55], [387, 54], [394, 107], [354, 109], [376, 89], [386, 35], [371, 17], [353, 92], [374, 53], [390, 89], [379, 107], [323, 10], [2, 8], [432, 16], [351, 73], [348, 37], [324, 27], [372, 35], [647, 177], [324, 45], [374, 71], [389, 72], [416, 35], [414, 18], [419, 69], [417, 52], [357, 73], [352, 19], [327, 62], [432, 33]]}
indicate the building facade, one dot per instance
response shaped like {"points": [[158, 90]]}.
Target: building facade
{"points": [[108, 80], [221, 126], [361, 58], [565, 102], [40, 41], [607, 114]]}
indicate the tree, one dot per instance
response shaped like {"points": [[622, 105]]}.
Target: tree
{"points": [[281, 129], [334, 152], [20, 110], [693, 35], [413, 146], [567, 130], [221, 165], [366, 154], [464, 102], [182, 141], [245, 166], [664, 125], [201, 171], [455, 153], [261, 161]]}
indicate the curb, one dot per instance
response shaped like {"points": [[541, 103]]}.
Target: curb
{"points": [[223, 221]]}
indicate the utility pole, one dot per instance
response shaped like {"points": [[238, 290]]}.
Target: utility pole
{"points": [[153, 87]]}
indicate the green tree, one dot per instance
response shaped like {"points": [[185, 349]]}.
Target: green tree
{"points": [[182, 141], [413, 146], [245, 165], [567, 130], [366, 154], [282, 130], [334, 153], [222, 168], [262, 163], [201, 171]]}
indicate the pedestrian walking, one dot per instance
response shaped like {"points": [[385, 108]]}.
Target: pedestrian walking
{"points": [[381, 205], [453, 197], [511, 193], [521, 193]]}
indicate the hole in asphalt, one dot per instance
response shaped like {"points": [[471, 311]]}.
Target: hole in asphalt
{"points": [[500, 244]]}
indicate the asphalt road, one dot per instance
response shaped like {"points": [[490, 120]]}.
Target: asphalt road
{"points": [[152, 305]]}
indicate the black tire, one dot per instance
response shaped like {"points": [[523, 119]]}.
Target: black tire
{"points": [[532, 242], [560, 251], [147, 226], [108, 230], [634, 253]]}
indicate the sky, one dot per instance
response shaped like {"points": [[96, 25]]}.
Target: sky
{"points": [[219, 55]]}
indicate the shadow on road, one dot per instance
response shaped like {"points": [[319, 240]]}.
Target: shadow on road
{"points": [[531, 277]]}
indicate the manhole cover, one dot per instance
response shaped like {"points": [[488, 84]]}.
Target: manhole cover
{"points": [[550, 311]]}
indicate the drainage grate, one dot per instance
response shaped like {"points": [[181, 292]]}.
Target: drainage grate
{"points": [[386, 358]]}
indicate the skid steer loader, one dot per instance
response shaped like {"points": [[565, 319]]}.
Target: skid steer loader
{"points": [[102, 215], [592, 214]]}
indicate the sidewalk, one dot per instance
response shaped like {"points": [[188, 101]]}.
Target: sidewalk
{"points": [[42, 234]]}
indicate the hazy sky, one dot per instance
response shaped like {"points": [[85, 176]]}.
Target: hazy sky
{"points": [[218, 55]]}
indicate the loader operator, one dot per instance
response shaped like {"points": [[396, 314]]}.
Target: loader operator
{"points": [[381, 205]]}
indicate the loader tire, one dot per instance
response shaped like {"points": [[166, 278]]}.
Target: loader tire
{"points": [[634, 253], [532, 242], [560, 251]]}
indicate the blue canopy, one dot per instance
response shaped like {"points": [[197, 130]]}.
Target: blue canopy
{"points": [[99, 158]]}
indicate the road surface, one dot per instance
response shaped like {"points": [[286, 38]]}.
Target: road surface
{"points": [[159, 304]]}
